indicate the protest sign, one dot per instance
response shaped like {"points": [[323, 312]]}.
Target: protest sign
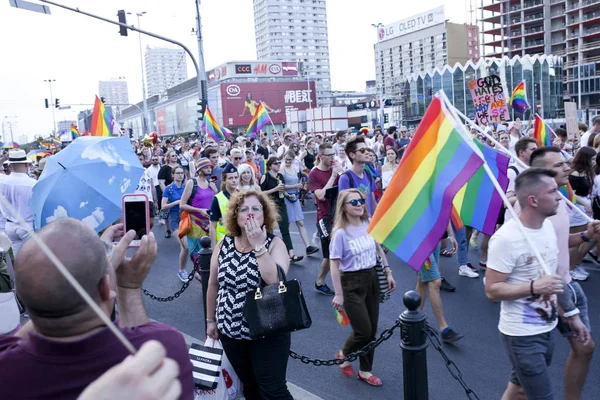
{"points": [[489, 100], [571, 118]]}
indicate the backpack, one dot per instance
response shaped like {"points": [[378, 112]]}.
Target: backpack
{"points": [[512, 167], [351, 179]]}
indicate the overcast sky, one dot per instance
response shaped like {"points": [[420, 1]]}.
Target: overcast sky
{"points": [[78, 51]]}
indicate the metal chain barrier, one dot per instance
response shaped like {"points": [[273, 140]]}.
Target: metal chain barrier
{"points": [[452, 368], [179, 292], [317, 362]]}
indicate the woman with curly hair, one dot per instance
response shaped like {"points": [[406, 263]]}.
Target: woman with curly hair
{"points": [[246, 257]]}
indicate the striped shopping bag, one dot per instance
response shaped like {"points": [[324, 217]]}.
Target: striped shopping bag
{"points": [[206, 359]]}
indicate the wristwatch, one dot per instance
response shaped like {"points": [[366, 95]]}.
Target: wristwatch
{"points": [[259, 248], [585, 238]]}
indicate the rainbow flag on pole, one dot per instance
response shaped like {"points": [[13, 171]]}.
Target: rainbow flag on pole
{"points": [[478, 203], [518, 99], [211, 126], [102, 120], [56, 141], [567, 191], [75, 132], [416, 207], [542, 133], [260, 119]]}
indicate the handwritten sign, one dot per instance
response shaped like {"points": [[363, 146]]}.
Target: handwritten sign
{"points": [[489, 100], [571, 119]]}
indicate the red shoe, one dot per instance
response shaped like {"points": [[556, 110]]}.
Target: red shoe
{"points": [[347, 371], [372, 380]]}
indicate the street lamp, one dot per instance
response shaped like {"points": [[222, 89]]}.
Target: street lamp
{"points": [[309, 99], [380, 59], [52, 106], [10, 127], [145, 116]]}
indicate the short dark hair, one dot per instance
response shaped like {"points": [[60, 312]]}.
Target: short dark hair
{"points": [[324, 146], [561, 133], [391, 130], [210, 151], [541, 152], [352, 144], [339, 134], [596, 120], [271, 161], [531, 176], [522, 144]]}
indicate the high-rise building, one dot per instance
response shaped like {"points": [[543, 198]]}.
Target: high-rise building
{"points": [[420, 44], [568, 28], [296, 30], [114, 92], [165, 68]]}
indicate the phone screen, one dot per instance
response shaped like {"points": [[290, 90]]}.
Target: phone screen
{"points": [[135, 218]]}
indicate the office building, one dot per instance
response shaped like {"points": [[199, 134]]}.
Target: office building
{"points": [[568, 28], [296, 30], [418, 44], [115, 92], [165, 68]]}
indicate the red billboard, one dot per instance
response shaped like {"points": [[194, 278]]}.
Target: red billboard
{"points": [[239, 100]]}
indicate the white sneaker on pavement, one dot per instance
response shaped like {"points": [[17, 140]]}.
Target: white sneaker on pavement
{"points": [[464, 270], [577, 276], [582, 271]]}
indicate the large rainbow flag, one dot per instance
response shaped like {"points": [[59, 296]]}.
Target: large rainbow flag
{"points": [[542, 133], [75, 132], [478, 203], [518, 99], [260, 119], [211, 126], [102, 119], [415, 208]]}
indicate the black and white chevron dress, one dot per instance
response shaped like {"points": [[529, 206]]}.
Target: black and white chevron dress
{"points": [[238, 272]]}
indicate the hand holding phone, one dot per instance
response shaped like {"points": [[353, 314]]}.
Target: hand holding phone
{"points": [[136, 216]]}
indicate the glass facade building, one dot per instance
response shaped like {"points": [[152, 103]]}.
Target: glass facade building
{"points": [[543, 75]]}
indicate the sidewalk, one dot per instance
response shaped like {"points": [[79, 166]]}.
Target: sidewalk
{"points": [[297, 392]]}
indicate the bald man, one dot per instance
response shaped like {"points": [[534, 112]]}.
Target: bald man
{"points": [[66, 345]]}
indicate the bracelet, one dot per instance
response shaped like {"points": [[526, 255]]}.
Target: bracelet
{"points": [[262, 254], [571, 313], [210, 321], [585, 238], [531, 288]]}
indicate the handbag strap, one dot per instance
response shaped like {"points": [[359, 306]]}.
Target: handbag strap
{"points": [[280, 274]]}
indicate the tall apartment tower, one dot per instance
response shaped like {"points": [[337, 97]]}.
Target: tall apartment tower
{"points": [[568, 28], [296, 30], [165, 68], [114, 92]]}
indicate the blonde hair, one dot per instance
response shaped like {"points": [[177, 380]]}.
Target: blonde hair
{"points": [[242, 168], [341, 218], [270, 214]]}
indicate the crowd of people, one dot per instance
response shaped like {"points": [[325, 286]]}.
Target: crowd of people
{"points": [[243, 194]]}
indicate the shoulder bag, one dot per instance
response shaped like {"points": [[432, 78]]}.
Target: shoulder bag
{"points": [[271, 310]]}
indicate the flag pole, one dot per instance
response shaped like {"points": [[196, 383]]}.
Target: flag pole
{"points": [[497, 186], [516, 159], [272, 124]]}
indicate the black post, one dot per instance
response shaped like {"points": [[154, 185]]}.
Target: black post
{"points": [[205, 254], [414, 348]]}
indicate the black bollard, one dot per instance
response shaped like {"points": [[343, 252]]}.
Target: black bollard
{"points": [[205, 254], [414, 348]]}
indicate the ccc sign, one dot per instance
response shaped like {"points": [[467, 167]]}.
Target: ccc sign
{"points": [[243, 69]]}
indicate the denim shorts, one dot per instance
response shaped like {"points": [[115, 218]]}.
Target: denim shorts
{"points": [[580, 301], [530, 357], [430, 271], [174, 220]]}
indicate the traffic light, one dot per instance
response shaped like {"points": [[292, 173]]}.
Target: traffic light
{"points": [[46, 102], [56, 103], [386, 118], [123, 20], [201, 109]]}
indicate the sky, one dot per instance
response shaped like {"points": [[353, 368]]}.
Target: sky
{"points": [[78, 51]]}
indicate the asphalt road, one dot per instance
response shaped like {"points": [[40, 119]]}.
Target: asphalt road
{"points": [[479, 355]]}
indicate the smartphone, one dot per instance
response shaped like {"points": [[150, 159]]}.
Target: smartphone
{"points": [[136, 216]]}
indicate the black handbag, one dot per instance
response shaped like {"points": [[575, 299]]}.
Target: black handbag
{"points": [[275, 309]]}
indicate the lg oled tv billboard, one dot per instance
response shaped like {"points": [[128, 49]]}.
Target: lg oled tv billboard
{"points": [[239, 100]]}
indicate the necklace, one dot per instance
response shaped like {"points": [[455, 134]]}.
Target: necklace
{"points": [[244, 248]]}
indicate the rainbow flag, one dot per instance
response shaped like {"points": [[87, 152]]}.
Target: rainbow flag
{"points": [[261, 163], [542, 133], [226, 132], [415, 208], [75, 132], [259, 120], [56, 141], [102, 119], [211, 126], [45, 146], [567, 191], [455, 218], [518, 99], [478, 203]]}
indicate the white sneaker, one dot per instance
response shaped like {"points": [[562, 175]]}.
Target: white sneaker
{"points": [[577, 276], [161, 222], [463, 270], [582, 271]]}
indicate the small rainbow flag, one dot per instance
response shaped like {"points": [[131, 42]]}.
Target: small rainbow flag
{"points": [[261, 163], [416, 207], [226, 132], [518, 99], [260, 119], [542, 133], [75, 132], [56, 141], [567, 191], [102, 119], [211, 126]]}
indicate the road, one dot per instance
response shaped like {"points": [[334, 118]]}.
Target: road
{"points": [[479, 355]]}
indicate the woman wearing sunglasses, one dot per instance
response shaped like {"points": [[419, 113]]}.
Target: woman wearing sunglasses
{"points": [[353, 255]]}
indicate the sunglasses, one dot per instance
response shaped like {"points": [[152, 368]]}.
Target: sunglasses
{"points": [[276, 163], [356, 202], [363, 150], [237, 158], [328, 155]]}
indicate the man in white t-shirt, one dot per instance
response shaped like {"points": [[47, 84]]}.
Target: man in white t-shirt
{"points": [[527, 289], [595, 129]]}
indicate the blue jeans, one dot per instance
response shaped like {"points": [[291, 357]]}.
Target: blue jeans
{"points": [[463, 251]]}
